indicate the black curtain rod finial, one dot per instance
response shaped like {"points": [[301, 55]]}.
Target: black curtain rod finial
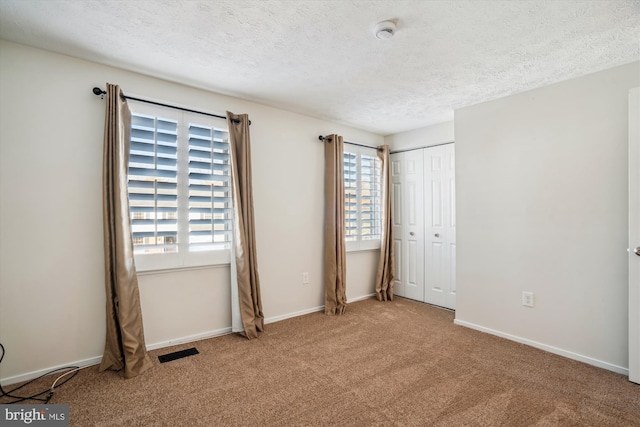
{"points": [[99, 92]]}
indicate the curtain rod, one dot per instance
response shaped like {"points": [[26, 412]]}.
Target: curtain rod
{"points": [[420, 148], [322, 138], [99, 92]]}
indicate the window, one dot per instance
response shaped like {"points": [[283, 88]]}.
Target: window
{"points": [[179, 191], [362, 198]]}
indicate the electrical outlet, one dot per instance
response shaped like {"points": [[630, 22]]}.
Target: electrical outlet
{"points": [[527, 299], [305, 278]]}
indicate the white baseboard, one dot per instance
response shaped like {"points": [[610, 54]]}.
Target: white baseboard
{"points": [[545, 347], [189, 338], [311, 310], [349, 301], [35, 374], [96, 360], [294, 314], [182, 340]]}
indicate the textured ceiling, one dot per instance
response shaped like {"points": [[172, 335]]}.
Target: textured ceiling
{"points": [[321, 58]]}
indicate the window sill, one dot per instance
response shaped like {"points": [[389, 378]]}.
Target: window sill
{"points": [[161, 263], [363, 250], [363, 245], [153, 272]]}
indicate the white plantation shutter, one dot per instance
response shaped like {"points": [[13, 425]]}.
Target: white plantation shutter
{"points": [[362, 185], [153, 184], [370, 197], [209, 189], [179, 196], [351, 196]]}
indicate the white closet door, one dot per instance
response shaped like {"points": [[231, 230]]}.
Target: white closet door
{"points": [[413, 227], [397, 212], [424, 227], [440, 240]]}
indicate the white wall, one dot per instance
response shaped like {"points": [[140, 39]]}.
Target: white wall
{"points": [[431, 135], [542, 207], [51, 257]]}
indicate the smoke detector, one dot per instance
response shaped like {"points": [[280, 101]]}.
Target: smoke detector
{"points": [[385, 29]]}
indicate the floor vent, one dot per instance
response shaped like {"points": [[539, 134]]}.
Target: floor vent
{"points": [[177, 355]]}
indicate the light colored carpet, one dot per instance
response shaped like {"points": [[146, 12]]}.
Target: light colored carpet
{"points": [[399, 363]]}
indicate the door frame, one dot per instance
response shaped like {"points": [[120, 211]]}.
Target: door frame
{"points": [[634, 235], [405, 163]]}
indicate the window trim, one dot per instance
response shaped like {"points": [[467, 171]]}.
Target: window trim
{"points": [[359, 244], [183, 259]]}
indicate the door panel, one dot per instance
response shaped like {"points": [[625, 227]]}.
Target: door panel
{"points": [[396, 207], [411, 203], [452, 202], [436, 275], [450, 301], [412, 273], [397, 212], [435, 200], [398, 285], [440, 226], [413, 230]]}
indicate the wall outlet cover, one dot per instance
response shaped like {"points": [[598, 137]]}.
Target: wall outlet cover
{"points": [[528, 299]]}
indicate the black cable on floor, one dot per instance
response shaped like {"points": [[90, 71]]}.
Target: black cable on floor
{"points": [[36, 396]]}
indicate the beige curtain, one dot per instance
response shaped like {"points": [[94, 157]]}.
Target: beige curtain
{"points": [[124, 346], [335, 300], [386, 262], [244, 239]]}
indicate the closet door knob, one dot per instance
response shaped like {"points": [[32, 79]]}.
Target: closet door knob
{"points": [[637, 250], [411, 233], [437, 234]]}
